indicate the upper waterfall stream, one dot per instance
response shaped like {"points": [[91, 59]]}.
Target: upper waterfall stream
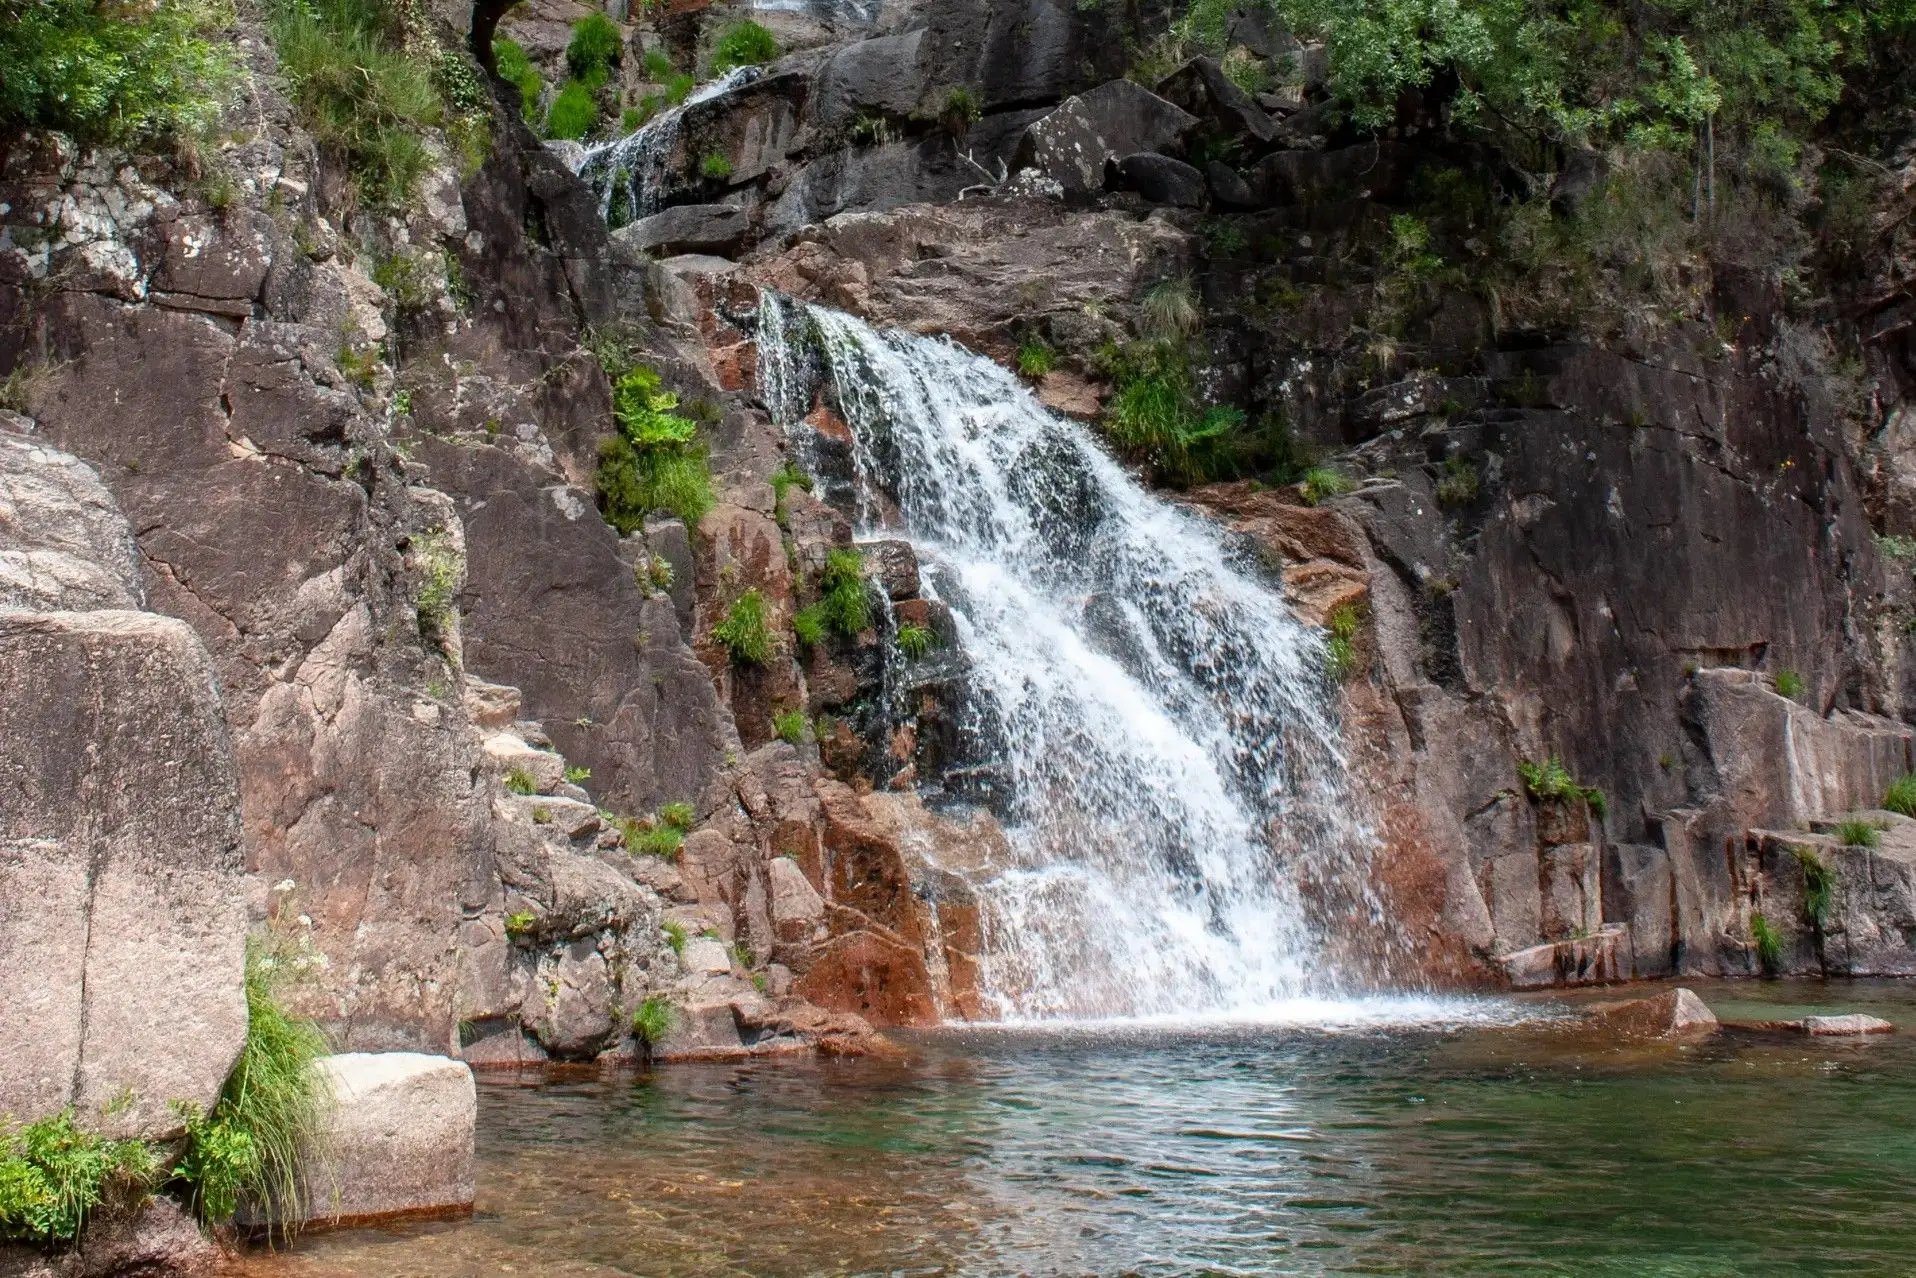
{"points": [[1163, 731]]}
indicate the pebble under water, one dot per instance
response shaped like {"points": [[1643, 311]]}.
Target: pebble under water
{"points": [[1452, 1148]]}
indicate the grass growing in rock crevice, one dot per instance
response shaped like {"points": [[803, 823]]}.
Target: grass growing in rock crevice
{"points": [[656, 461], [842, 607], [53, 1176]]}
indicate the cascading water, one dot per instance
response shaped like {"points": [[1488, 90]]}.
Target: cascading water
{"points": [[634, 166], [1161, 725]]}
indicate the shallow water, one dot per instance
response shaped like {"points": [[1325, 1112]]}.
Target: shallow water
{"points": [[1441, 1148]]}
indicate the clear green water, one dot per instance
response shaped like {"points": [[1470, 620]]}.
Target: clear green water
{"points": [[1528, 1150]]}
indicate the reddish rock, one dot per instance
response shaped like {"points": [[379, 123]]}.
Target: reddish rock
{"points": [[880, 978]]}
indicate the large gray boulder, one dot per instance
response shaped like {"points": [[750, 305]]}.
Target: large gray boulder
{"points": [[122, 933], [1113, 120], [688, 228]]}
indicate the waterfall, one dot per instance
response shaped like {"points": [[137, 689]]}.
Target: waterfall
{"points": [[636, 164], [1161, 729]]}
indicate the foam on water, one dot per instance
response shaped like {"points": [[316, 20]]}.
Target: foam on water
{"points": [[1162, 731]]}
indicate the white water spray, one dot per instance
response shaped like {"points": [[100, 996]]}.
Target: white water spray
{"points": [[636, 164], [1162, 728]]}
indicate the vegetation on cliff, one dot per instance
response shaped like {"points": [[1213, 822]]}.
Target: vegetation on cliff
{"points": [[656, 461], [52, 1176]]}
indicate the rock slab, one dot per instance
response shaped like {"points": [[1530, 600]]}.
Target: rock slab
{"points": [[399, 1139], [1677, 1013]]}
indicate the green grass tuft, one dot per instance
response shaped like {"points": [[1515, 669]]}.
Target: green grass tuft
{"points": [[595, 48], [715, 167], [680, 816], [1321, 483], [656, 461], [916, 642], [1789, 684], [519, 781], [655, 1018], [1858, 834], [790, 726], [743, 44], [1036, 358], [842, 605], [574, 113], [1459, 484], [1769, 945], [520, 924], [1901, 795], [516, 69], [675, 936], [1819, 887], [743, 632]]}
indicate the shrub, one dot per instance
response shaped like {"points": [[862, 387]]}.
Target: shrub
{"points": [[1036, 358], [1901, 795], [842, 603], [870, 129], [441, 571], [743, 631], [1769, 946], [743, 44], [1550, 781], [574, 113], [519, 781], [1819, 887], [680, 816], [520, 924], [1858, 834], [916, 642], [52, 1175], [960, 111], [715, 167], [675, 935], [578, 775], [1458, 485], [1154, 415], [594, 50], [1321, 483], [655, 1019], [112, 73], [790, 726], [364, 100], [1789, 684], [656, 461], [516, 69]]}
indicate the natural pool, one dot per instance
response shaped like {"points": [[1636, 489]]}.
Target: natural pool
{"points": [[1459, 1149]]}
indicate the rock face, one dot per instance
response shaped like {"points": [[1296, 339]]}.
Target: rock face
{"points": [[124, 935], [397, 1142]]}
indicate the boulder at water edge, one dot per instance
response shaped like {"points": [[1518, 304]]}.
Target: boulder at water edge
{"points": [[398, 1141], [1677, 1013]]}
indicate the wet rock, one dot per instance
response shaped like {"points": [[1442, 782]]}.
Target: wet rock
{"points": [[688, 228], [1849, 1024], [893, 564], [1071, 145], [1600, 958], [1677, 1013], [121, 827], [1158, 178], [397, 1142]]}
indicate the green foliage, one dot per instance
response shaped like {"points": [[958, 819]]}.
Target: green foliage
{"points": [[574, 112], [217, 1166], [960, 111], [870, 129], [715, 167], [1321, 483], [1895, 546], [110, 72], [743, 632], [679, 88], [842, 605], [1858, 834], [520, 924], [787, 477], [576, 775], [652, 838], [675, 936], [1155, 416], [1769, 946], [916, 642], [1246, 70], [1550, 782], [808, 625], [441, 569], [521, 782], [1170, 310], [365, 99], [517, 70], [656, 461], [658, 67], [52, 1175], [1789, 684], [1819, 887], [594, 50], [1341, 660], [790, 726], [275, 1098], [1036, 358], [743, 44], [680, 816], [1901, 796], [1459, 484], [655, 1018]]}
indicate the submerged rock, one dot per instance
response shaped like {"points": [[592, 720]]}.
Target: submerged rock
{"points": [[1677, 1013], [1851, 1023]]}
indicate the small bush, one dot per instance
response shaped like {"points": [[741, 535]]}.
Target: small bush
{"points": [[1858, 834], [656, 461], [916, 642], [516, 69], [715, 167], [521, 782], [1901, 795], [680, 816], [1321, 483], [520, 923], [870, 129], [1769, 946], [790, 726], [595, 48], [1341, 648], [1458, 485], [1789, 684], [442, 571], [1819, 887], [675, 936], [679, 88], [842, 603], [112, 73], [743, 631], [578, 775], [52, 1175], [574, 113], [808, 625], [655, 1019], [658, 67], [1036, 358], [1171, 310], [1550, 781], [743, 44], [960, 111]]}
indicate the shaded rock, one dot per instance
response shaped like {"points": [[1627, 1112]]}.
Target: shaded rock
{"points": [[1374, 171], [879, 75], [1201, 87], [1677, 1013], [797, 909], [1228, 186], [893, 564], [1852, 1023], [1158, 178], [121, 827], [1585, 173], [1117, 119], [688, 228], [1598, 959], [397, 1142], [156, 1239]]}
